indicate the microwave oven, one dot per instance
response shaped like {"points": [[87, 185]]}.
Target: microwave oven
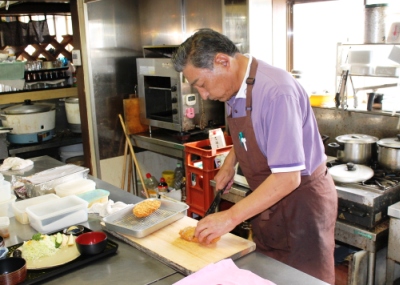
{"points": [[168, 101]]}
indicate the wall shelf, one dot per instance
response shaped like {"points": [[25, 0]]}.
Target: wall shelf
{"points": [[18, 97]]}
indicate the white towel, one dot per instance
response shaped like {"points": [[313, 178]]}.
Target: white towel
{"points": [[107, 208], [15, 163]]}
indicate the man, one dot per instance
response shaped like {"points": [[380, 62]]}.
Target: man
{"points": [[293, 204]]}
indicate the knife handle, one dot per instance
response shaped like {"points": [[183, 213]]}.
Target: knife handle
{"points": [[214, 203]]}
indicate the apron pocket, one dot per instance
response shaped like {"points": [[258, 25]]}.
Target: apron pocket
{"points": [[270, 229]]}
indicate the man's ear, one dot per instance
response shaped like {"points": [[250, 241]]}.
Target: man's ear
{"points": [[222, 59]]}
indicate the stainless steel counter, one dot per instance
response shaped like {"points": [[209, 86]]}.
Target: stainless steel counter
{"points": [[131, 266]]}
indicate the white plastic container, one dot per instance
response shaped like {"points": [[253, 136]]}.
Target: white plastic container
{"points": [[361, 57], [54, 215], [19, 207], [362, 69], [4, 225], [95, 196], [6, 208], [5, 189], [75, 187]]}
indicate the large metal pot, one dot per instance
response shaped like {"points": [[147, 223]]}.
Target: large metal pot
{"points": [[355, 148], [30, 123], [389, 153]]}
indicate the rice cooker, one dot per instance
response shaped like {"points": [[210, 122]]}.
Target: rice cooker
{"points": [[73, 114], [30, 122]]}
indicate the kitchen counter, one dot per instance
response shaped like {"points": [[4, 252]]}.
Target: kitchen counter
{"points": [[132, 266]]}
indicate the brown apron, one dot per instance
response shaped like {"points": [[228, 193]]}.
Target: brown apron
{"points": [[299, 229]]}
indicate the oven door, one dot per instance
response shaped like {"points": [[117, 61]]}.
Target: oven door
{"points": [[160, 99]]}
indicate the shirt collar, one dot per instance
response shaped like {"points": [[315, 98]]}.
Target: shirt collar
{"points": [[243, 87]]}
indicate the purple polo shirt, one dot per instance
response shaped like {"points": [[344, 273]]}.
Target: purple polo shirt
{"points": [[284, 123]]}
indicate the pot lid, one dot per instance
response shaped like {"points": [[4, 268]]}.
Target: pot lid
{"points": [[356, 138], [28, 108], [72, 100], [351, 173], [390, 142]]}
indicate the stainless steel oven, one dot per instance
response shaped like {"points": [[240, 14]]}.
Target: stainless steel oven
{"points": [[168, 101]]}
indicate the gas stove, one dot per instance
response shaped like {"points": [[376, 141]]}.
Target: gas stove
{"points": [[365, 204]]}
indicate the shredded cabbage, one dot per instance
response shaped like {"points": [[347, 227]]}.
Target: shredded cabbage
{"points": [[36, 249]]}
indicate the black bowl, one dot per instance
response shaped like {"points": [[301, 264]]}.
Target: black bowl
{"points": [[12, 270], [74, 230], [91, 243]]}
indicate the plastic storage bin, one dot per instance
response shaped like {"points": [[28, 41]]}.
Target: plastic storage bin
{"points": [[95, 196], [6, 208], [200, 168], [12, 70], [54, 215], [19, 207], [4, 225], [75, 187]]}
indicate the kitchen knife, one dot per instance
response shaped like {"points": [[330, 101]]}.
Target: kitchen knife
{"points": [[215, 202]]}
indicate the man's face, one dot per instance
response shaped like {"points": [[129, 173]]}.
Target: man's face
{"points": [[211, 84]]}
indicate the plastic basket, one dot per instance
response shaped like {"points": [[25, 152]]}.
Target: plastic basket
{"points": [[200, 168], [12, 70]]}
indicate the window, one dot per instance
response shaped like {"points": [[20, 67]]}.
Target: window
{"points": [[318, 27], [60, 29]]}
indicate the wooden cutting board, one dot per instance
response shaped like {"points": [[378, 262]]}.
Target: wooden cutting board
{"points": [[187, 257]]}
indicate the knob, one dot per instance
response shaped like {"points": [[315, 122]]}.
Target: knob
{"points": [[174, 111], [173, 88], [351, 166], [174, 100]]}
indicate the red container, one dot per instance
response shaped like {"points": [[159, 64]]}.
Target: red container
{"points": [[200, 168]]}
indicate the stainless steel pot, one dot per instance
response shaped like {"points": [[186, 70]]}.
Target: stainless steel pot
{"points": [[355, 148], [30, 123], [389, 153]]}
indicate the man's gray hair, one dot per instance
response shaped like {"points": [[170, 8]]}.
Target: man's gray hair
{"points": [[201, 48]]}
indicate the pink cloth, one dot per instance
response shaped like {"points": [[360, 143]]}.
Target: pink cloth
{"points": [[224, 272]]}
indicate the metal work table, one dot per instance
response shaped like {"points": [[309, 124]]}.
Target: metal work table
{"points": [[370, 240], [132, 266]]}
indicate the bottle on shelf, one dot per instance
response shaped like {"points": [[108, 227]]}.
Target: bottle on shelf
{"points": [[178, 176], [162, 186], [151, 185]]}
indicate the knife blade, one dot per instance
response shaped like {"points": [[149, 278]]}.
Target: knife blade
{"points": [[215, 202]]}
